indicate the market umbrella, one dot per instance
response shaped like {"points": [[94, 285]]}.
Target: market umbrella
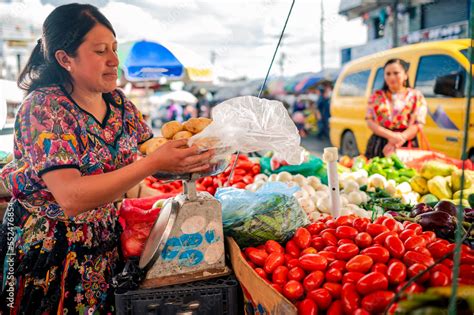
{"points": [[147, 61], [178, 96]]}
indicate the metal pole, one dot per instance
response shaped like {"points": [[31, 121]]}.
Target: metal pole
{"points": [[395, 24], [321, 21]]}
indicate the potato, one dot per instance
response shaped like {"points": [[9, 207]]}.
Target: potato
{"points": [[171, 128], [196, 125], [154, 144], [182, 135]]}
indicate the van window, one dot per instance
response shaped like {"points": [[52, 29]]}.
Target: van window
{"points": [[432, 67], [354, 84], [379, 80]]}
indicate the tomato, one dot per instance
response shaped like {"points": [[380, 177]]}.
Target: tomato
{"points": [[397, 273], [236, 179], [331, 248], [277, 287], [395, 246], [330, 256], [376, 229], [347, 251], [349, 298], [273, 260], [377, 301], [345, 241], [414, 241], [405, 234], [330, 230], [318, 243], [322, 297], [363, 239], [217, 182], [312, 262], [292, 249], [448, 263], [280, 275], [329, 238], [444, 269], [200, 187], [331, 223], [371, 282], [239, 172], [251, 264], [238, 185], [344, 220], [333, 275], [360, 224], [352, 277], [422, 250], [412, 288], [333, 288], [248, 179], [296, 273], [346, 232], [207, 181], [257, 256], [380, 239], [338, 264], [379, 267], [438, 248], [244, 165], [335, 308], [293, 290], [292, 263], [466, 274], [391, 224], [315, 228], [309, 250], [380, 220], [429, 236], [313, 281], [439, 279], [360, 263], [417, 268], [273, 246], [261, 273], [416, 227], [302, 237], [377, 253], [412, 257], [360, 311], [307, 307]]}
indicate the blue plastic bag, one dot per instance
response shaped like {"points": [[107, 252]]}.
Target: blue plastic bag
{"points": [[252, 218]]}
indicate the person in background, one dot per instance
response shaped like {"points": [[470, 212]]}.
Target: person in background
{"points": [[324, 109], [76, 143], [396, 113]]}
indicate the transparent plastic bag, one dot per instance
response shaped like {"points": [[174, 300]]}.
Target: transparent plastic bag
{"points": [[249, 124], [270, 213]]}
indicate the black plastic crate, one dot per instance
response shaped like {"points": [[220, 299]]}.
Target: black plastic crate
{"points": [[215, 297]]}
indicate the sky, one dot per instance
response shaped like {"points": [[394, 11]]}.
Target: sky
{"points": [[241, 33]]}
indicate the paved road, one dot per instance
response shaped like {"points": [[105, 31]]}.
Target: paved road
{"points": [[314, 145]]}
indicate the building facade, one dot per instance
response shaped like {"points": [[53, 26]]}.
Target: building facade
{"points": [[393, 23]]}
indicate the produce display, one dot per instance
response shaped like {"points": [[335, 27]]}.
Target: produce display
{"points": [[354, 266]]}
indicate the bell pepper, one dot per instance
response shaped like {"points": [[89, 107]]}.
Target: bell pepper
{"points": [[397, 162], [407, 172]]}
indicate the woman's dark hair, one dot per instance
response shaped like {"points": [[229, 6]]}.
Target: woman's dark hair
{"points": [[405, 67], [63, 29]]}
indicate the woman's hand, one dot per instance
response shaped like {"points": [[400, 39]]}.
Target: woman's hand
{"points": [[177, 157], [397, 139], [389, 149]]}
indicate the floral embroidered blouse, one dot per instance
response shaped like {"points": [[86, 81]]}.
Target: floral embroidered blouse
{"points": [[53, 132], [398, 111]]}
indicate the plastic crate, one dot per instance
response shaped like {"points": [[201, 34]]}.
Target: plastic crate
{"points": [[215, 296]]}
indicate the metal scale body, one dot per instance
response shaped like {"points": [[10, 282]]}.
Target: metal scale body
{"points": [[186, 242]]}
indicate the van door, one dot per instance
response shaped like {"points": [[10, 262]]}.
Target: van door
{"points": [[445, 117]]}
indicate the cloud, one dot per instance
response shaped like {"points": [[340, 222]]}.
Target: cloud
{"points": [[242, 33]]}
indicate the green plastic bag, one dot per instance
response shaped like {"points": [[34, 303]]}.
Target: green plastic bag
{"points": [[309, 168]]}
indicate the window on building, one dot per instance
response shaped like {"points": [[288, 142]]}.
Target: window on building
{"points": [[432, 67], [355, 84]]}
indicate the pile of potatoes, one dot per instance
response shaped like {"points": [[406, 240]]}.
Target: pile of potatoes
{"points": [[174, 130]]}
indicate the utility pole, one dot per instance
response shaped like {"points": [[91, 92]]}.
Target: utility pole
{"points": [[321, 44], [213, 57], [395, 23]]}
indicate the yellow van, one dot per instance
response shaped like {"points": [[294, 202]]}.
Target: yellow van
{"points": [[438, 69]]}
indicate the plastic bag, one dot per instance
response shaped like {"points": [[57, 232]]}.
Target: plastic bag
{"points": [[249, 124], [270, 213]]}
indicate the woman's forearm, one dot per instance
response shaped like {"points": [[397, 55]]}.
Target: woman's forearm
{"points": [[77, 194], [410, 132], [379, 130]]}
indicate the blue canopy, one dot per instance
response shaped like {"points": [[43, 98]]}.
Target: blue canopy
{"points": [[145, 60]]}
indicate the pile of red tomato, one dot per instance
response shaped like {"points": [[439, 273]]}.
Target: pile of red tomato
{"points": [[351, 265], [244, 174]]}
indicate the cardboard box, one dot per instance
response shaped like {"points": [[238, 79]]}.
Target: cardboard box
{"points": [[260, 297]]}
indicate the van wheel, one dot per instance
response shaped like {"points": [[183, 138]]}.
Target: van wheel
{"points": [[349, 144]]}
